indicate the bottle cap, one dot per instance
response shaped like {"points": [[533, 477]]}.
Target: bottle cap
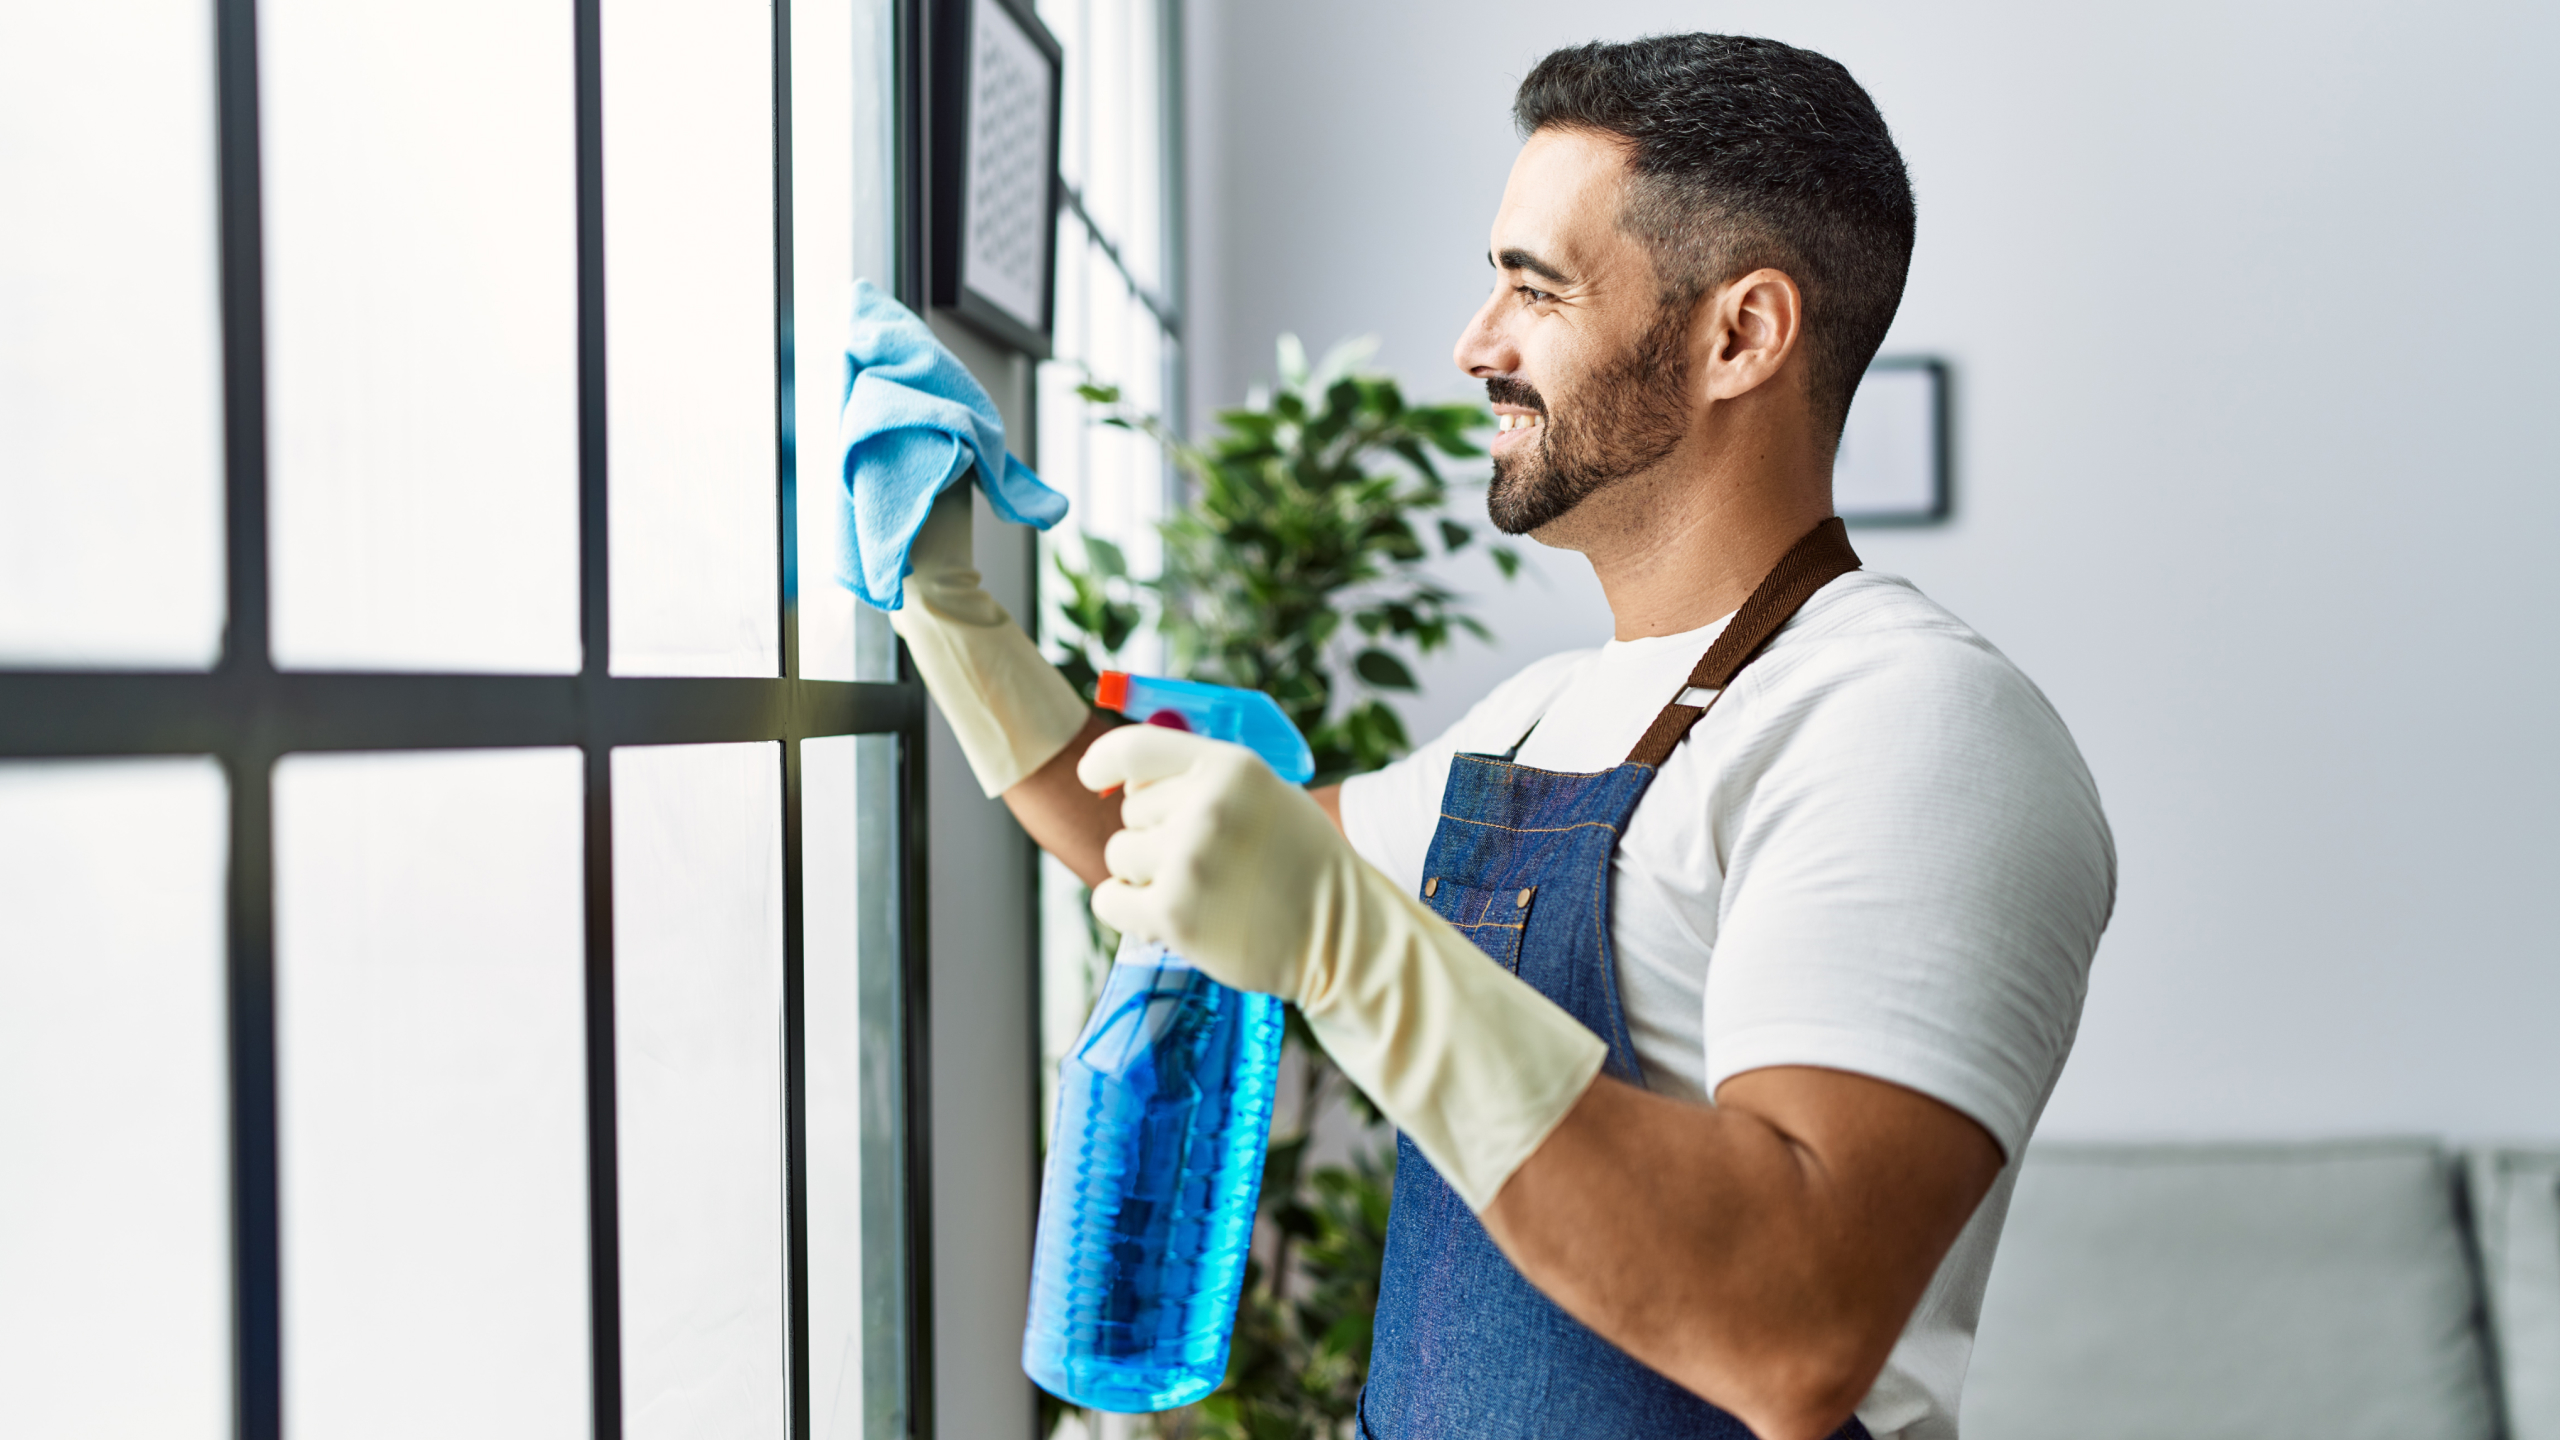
{"points": [[1112, 691]]}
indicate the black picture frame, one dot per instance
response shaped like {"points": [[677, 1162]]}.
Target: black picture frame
{"points": [[1940, 506], [954, 50]]}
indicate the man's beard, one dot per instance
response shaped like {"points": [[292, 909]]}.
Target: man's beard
{"points": [[1623, 420]]}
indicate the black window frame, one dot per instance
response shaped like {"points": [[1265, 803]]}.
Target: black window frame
{"points": [[246, 714]]}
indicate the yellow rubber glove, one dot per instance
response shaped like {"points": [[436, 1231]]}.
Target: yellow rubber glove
{"points": [[1010, 707], [1240, 873]]}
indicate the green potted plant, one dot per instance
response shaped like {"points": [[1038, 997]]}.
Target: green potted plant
{"points": [[1296, 570]]}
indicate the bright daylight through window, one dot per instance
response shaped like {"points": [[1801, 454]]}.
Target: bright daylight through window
{"points": [[453, 831]]}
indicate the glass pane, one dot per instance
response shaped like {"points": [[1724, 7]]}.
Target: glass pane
{"points": [[115, 1245], [857, 1189], [110, 337], [689, 342], [430, 1052], [697, 920], [1112, 139], [1115, 480], [1072, 22], [422, 373], [843, 226]]}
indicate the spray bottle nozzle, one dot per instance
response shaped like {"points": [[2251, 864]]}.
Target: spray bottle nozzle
{"points": [[1220, 712]]}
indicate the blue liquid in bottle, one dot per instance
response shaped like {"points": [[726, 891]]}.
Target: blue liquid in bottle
{"points": [[1146, 1210]]}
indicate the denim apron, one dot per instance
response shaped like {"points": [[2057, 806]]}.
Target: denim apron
{"points": [[1464, 1346]]}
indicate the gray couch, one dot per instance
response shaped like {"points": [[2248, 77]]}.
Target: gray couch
{"points": [[2387, 1289]]}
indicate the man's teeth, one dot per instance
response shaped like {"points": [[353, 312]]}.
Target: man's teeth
{"points": [[1514, 422]]}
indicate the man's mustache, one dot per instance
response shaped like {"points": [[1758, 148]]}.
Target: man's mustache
{"points": [[1511, 390]]}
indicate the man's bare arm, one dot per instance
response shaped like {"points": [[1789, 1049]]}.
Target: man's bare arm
{"points": [[1072, 823], [1061, 816], [1329, 800], [1765, 1252]]}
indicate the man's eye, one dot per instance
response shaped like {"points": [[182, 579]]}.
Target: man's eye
{"points": [[1536, 297]]}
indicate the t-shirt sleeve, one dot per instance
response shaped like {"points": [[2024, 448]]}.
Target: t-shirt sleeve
{"points": [[1389, 815], [1916, 882]]}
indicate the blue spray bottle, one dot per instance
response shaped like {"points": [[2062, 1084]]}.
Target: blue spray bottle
{"points": [[1155, 1164]]}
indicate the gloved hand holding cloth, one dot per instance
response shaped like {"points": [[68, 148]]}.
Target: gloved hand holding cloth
{"points": [[916, 425], [1243, 874]]}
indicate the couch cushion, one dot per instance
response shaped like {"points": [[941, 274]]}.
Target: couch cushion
{"points": [[2515, 1207], [2251, 1292]]}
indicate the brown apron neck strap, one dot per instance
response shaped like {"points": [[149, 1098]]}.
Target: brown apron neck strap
{"points": [[1821, 557]]}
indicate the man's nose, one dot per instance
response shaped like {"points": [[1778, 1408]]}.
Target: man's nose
{"points": [[1482, 348]]}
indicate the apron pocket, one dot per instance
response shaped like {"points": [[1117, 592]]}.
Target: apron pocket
{"points": [[1492, 916]]}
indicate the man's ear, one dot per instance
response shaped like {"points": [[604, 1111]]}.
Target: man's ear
{"points": [[1750, 328]]}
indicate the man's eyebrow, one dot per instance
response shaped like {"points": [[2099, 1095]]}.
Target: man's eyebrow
{"points": [[1517, 259]]}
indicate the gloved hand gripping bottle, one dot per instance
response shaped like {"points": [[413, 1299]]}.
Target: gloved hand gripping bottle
{"points": [[1155, 1164]]}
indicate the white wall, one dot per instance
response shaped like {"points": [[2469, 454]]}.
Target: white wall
{"points": [[2252, 315]]}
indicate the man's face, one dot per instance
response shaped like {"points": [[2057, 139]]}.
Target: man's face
{"points": [[1588, 373]]}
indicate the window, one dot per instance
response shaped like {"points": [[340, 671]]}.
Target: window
{"points": [[454, 878], [1118, 264]]}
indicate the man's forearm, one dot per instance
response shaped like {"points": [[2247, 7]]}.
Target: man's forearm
{"points": [[1765, 1252], [1061, 816]]}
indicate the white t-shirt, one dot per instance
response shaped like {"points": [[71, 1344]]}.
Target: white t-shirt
{"points": [[1879, 852]]}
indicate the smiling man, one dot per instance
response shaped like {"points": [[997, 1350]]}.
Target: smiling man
{"points": [[1714, 978]]}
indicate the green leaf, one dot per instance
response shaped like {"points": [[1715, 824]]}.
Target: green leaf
{"points": [[1280, 1162], [1079, 671], [1293, 361], [1506, 560], [1454, 536], [1296, 1220], [1396, 541], [1344, 358], [1383, 670], [1119, 622], [1341, 398], [1348, 1332], [1099, 394], [1105, 557]]}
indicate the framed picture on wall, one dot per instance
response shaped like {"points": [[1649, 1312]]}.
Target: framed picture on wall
{"points": [[996, 73], [1892, 465]]}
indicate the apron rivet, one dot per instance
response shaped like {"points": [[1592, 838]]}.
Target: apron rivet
{"points": [[1524, 896], [1431, 887]]}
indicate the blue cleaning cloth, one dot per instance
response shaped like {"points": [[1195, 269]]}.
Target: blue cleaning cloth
{"points": [[914, 422]]}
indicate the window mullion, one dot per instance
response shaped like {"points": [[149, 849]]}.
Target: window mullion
{"points": [[1158, 306], [604, 1250]]}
